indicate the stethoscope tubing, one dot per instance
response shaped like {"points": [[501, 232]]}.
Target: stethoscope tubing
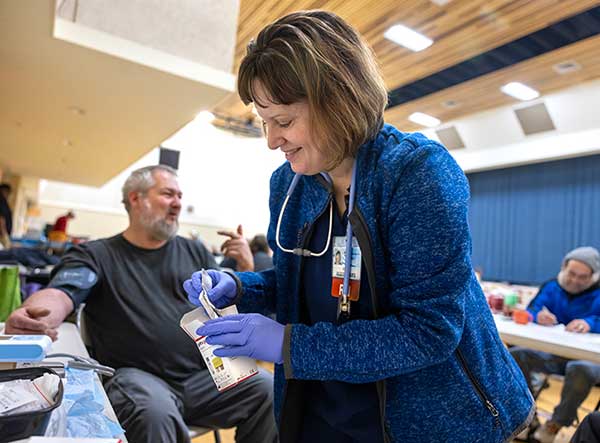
{"points": [[348, 240]]}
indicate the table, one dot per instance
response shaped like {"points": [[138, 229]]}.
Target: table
{"points": [[552, 339], [69, 341]]}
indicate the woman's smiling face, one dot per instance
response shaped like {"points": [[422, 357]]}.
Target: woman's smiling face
{"points": [[288, 128]]}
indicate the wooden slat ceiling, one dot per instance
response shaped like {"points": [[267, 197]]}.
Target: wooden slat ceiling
{"points": [[461, 30], [484, 92]]}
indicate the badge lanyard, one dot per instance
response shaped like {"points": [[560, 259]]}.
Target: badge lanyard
{"points": [[343, 301]]}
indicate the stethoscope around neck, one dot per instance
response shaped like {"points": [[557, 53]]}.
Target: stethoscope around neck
{"points": [[344, 302]]}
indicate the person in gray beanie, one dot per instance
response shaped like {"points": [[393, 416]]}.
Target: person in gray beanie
{"points": [[588, 256], [571, 299]]}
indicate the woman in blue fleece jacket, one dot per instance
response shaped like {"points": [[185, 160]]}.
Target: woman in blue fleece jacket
{"points": [[417, 358]]}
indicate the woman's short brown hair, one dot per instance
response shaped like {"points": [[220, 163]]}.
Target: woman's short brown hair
{"points": [[317, 57]]}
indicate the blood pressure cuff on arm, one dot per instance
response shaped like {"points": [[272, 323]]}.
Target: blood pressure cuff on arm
{"points": [[77, 282]]}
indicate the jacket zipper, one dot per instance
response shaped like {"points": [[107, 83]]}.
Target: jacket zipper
{"points": [[371, 275], [478, 389], [307, 231]]}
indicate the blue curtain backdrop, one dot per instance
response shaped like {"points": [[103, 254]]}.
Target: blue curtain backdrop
{"points": [[525, 219]]}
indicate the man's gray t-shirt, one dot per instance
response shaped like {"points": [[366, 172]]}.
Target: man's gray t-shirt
{"points": [[133, 310]]}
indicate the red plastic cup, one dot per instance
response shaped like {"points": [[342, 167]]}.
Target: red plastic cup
{"points": [[496, 303], [521, 317]]}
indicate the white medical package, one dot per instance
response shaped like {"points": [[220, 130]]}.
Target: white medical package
{"points": [[23, 395], [225, 371]]}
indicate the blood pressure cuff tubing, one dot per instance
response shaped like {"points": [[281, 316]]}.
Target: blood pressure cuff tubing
{"points": [[76, 282]]}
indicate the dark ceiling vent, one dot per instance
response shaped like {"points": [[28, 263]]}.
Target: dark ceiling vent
{"points": [[450, 104], [566, 67], [450, 138], [534, 119]]}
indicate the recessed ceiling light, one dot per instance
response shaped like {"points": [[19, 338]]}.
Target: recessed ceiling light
{"points": [[520, 91], [408, 38], [424, 119], [441, 2]]}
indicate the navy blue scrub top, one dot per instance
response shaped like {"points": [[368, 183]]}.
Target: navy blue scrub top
{"points": [[335, 411]]}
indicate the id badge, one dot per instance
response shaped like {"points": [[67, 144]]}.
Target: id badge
{"points": [[337, 270]]}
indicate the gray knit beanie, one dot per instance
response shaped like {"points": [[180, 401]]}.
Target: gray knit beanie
{"points": [[587, 255]]}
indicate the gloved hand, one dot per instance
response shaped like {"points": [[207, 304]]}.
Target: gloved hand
{"points": [[249, 335], [221, 294]]}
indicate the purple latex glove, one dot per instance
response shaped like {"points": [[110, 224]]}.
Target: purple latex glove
{"points": [[223, 290], [248, 335]]}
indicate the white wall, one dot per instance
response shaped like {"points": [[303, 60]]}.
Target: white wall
{"points": [[494, 138], [224, 177]]}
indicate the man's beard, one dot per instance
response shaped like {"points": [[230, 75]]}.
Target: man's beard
{"points": [[158, 227]]}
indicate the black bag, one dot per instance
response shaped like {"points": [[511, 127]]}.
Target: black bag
{"points": [[26, 424]]}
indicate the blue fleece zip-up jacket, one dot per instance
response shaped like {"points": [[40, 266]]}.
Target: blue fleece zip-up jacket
{"points": [[441, 371], [567, 307]]}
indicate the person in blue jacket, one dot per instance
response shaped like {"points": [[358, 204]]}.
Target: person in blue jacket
{"points": [[395, 343], [573, 300]]}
